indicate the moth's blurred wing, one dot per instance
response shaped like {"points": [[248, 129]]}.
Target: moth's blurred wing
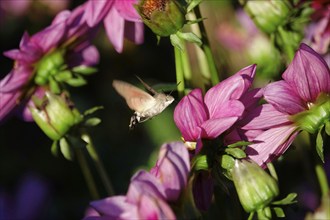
{"points": [[136, 99]]}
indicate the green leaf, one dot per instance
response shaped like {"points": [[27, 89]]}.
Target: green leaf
{"points": [[236, 152], [239, 144], [92, 122], [227, 162], [319, 144], [177, 42], [76, 82], [279, 212], [289, 199], [65, 149], [190, 37], [54, 148], [92, 110], [63, 76], [193, 4], [84, 70], [54, 86]]}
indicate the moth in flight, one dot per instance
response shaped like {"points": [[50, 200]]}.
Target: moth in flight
{"points": [[146, 106]]}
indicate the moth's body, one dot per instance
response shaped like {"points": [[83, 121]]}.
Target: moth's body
{"points": [[144, 105]]}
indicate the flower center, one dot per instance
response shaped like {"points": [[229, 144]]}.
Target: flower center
{"points": [[149, 6]]}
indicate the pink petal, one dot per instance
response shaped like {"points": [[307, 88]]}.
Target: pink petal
{"points": [[96, 10], [134, 31], [271, 144], [172, 169], [284, 98], [116, 207], [251, 99], [264, 117], [144, 183], [115, 26], [61, 17], [49, 37], [15, 79], [231, 88], [308, 74], [229, 109], [153, 208], [8, 102], [127, 11], [214, 127], [189, 114]]}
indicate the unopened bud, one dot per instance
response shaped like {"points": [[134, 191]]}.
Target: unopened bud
{"points": [[163, 17], [55, 116], [268, 15], [255, 187]]}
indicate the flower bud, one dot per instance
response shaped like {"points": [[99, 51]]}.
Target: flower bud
{"points": [[268, 15], [163, 17], [255, 187], [55, 117]]}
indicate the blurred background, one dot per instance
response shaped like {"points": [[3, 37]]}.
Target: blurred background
{"points": [[54, 187]]}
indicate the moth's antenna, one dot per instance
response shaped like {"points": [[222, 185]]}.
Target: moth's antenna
{"points": [[173, 89], [147, 86]]}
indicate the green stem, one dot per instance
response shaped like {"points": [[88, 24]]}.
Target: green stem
{"points": [[98, 164], [207, 50], [179, 72], [319, 169], [87, 174], [186, 64]]}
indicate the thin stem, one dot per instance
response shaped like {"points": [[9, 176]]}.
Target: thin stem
{"points": [[319, 169], [322, 178], [186, 65], [207, 49], [179, 72], [87, 174], [98, 164]]}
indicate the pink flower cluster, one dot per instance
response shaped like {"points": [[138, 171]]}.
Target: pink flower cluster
{"points": [[149, 192]]}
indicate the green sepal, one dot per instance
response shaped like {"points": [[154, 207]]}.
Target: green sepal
{"points": [[190, 37], [251, 215], [54, 86], [278, 212], [190, 22], [327, 128], [91, 122], [236, 152], [319, 144], [239, 144], [193, 4], [63, 75], [66, 149], [177, 42], [200, 163], [92, 110], [54, 148], [84, 70], [76, 82], [227, 162], [289, 199]]}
